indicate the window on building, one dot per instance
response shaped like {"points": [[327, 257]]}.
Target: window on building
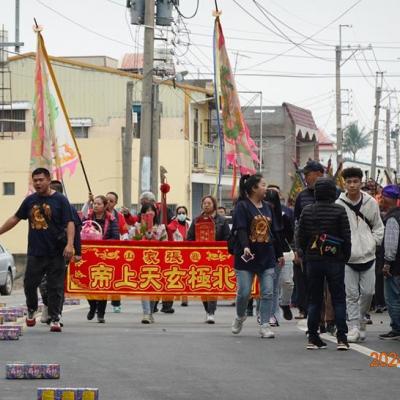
{"points": [[12, 121], [8, 188], [81, 132]]}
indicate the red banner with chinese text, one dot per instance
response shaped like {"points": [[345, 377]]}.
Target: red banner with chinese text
{"points": [[155, 269]]}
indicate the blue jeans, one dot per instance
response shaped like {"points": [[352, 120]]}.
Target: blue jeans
{"points": [[333, 271], [146, 306], [275, 300], [244, 281], [392, 298]]}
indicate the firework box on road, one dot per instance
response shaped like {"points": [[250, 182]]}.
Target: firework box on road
{"points": [[67, 394], [9, 333], [72, 302], [32, 371]]}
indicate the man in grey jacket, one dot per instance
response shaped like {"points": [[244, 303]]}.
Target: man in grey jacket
{"points": [[367, 231]]}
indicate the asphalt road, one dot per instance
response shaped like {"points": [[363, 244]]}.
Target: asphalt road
{"points": [[180, 357]]}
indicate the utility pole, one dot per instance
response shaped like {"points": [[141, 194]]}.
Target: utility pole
{"points": [[127, 135], [338, 65], [396, 143], [154, 138], [388, 161], [378, 93], [147, 176], [339, 132], [17, 26]]}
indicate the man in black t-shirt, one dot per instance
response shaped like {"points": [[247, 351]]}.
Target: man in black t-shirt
{"points": [[50, 242]]}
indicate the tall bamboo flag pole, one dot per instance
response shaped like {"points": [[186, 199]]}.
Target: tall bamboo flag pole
{"points": [[49, 66]]}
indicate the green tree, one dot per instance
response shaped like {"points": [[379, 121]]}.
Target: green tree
{"points": [[355, 139]]}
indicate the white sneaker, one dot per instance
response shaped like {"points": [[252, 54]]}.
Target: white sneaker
{"points": [[354, 335], [55, 326], [237, 325], [273, 321], [265, 332], [147, 319], [210, 319], [44, 319], [363, 331]]}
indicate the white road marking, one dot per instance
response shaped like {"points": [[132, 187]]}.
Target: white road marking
{"points": [[353, 346]]}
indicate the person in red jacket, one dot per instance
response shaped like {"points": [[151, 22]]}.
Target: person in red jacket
{"points": [[112, 198], [177, 231], [179, 226]]}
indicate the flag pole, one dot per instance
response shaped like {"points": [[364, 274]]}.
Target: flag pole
{"points": [[49, 66]]}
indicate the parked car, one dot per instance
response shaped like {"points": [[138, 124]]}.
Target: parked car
{"points": [[7, 271]]}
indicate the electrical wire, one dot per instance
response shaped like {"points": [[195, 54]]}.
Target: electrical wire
{"points": [[193, 15], [311, 36], [265, 12], [82, 26], [281, 35]]}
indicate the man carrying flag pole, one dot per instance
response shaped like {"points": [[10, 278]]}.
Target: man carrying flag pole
{"points": [[51, 226]]}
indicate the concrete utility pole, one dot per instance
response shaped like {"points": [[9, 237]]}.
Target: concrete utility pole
{"points": [[156, 116], [378, 93], [396, 143], [388, 161], [17, 26], [339, 64], [147, 176], [339, 132], [126, 142]]}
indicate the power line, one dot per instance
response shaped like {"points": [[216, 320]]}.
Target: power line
{"points": [[193, 15], [282, 35], [82, 26], [311, 36], [265, 11]]}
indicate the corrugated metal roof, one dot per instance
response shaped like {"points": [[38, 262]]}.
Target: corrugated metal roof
{"points": [[132, 61], [109, 70], [300, 116]]}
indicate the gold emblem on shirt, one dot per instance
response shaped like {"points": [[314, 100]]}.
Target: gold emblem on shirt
{"points": [[260, 229]]}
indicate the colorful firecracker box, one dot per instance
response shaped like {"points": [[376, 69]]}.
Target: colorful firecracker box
{"points": [[1, 320], [67, 394], [9, 316], [18, 311], [17, 327], [72, 302], [32, 371], [9, 333]]}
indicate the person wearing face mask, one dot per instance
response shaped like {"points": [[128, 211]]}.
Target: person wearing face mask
{"points": [[177, 231], [221, 233], [179, 226], [110, 231]]}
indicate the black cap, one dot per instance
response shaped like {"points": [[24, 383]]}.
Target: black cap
{"points": [[313, 166], [325, 189]]}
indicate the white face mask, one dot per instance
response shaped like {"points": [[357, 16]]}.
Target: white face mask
{"points": [[181, 217]]}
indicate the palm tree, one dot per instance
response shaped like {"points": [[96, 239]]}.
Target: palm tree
{"points": [[355, 139]]}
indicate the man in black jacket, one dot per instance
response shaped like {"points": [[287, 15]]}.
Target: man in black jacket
{"points": [[324, 238], [312, 171]]}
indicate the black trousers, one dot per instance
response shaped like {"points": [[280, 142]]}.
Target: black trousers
{"points": [[44, 293], [333, 272], [99, 306], [300, 282], [379, 297], [54, 269], [210, 305]]}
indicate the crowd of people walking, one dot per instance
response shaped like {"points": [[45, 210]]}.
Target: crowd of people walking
{"points": [[327, 256]]}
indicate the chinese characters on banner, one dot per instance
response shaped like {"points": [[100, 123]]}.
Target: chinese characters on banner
{"points": [[139, 268]]}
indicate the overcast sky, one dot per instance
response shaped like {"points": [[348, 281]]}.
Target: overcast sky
{"points": [[100, 27]]}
